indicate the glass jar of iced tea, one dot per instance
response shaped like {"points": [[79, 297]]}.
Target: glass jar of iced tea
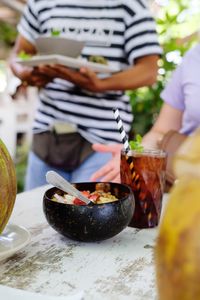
{"points": [[144, 172]]}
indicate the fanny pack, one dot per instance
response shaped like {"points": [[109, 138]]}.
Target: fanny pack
{"points": [[66, 151]]}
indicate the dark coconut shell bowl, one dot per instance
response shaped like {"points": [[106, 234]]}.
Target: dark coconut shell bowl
{"points": [[93, 222]]}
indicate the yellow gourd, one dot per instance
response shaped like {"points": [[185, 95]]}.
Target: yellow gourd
{"points": [[177, 251], [8, 186]]}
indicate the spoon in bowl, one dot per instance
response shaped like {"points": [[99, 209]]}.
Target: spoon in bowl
{"points": [[61, 183]]}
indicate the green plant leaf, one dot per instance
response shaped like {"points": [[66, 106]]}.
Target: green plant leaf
{"points": [[136, 144], [138, 138]]}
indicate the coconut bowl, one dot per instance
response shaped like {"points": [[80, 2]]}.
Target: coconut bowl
{"points": [[93, 222]]}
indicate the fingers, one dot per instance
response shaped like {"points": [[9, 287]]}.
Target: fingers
{"points": [[41, 83], [87, 72], [112, 176], [58, 71], [113, 148], [45, 71], [101, 172], [109, 172], [38, 81]]}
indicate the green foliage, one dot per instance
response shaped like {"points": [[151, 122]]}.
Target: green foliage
{"points": [[8, 33], [146, 102], [21, 164], [20, 173]]}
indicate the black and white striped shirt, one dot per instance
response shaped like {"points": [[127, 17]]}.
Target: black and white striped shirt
{"points": [[119, 30]]}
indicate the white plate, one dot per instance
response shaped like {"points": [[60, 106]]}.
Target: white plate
{"points": [[13, 239], [70, 62]]}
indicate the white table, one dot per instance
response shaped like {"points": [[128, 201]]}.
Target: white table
{"points": [[116, 269]]}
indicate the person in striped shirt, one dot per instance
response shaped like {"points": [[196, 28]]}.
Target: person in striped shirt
{"points": [[121, 31]]}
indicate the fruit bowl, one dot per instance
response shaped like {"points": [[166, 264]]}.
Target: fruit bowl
{"points": [[93, 222]]}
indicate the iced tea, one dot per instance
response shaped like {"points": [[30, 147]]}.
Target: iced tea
{"points": [[144, 172]]}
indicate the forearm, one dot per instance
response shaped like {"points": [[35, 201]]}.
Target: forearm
{"points": [[144, 73], [169, 119]]}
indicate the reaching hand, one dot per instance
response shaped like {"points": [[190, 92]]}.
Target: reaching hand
{"points": [[152, 139], [111, 170]]}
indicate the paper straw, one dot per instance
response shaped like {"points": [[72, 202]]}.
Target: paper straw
{"points": [[120, 126], [127, 148]]}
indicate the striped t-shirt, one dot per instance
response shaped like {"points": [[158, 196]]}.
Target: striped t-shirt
{"points": [[119, 30]]}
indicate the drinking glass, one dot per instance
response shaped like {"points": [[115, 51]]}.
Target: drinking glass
{"points": [[144, 172]]}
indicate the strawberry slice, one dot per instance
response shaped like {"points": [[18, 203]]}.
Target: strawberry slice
{"points": [[94, 197], [78, 202]]}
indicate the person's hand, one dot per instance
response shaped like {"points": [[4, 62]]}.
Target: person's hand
{"points": [[111, 170], [152, 140], [33, 77], [84, 78]]}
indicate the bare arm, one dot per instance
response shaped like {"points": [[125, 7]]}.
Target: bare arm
{"points": [[31, 76], [169, 119], [144, 73]]}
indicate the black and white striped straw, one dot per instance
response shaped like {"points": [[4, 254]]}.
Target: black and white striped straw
{"points": [[121, 129]]}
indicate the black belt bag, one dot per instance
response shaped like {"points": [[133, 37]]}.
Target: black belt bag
{"points": [[66, 151]]}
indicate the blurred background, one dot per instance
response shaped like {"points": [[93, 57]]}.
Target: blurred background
{"points": [[178, 28]]}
